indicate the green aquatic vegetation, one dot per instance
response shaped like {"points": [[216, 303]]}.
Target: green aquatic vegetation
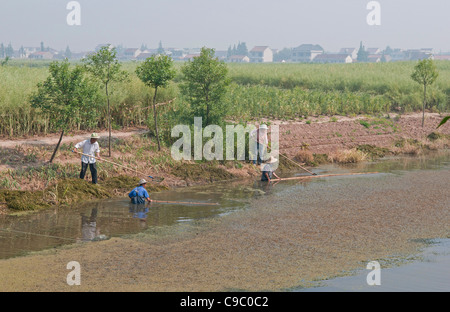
{"points": [[201, 172], [70, 191], [373, 151], [434, 136]]}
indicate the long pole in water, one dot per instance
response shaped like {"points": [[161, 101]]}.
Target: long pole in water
{"points": [[324, 176], [184, 203]]}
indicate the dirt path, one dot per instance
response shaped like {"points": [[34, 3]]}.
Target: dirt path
{"points": [[321, 134], [53, 139]]}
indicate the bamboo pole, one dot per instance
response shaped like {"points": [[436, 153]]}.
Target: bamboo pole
{"points": [[298, 165], [184, 203], [115, 164], [323, 176]]}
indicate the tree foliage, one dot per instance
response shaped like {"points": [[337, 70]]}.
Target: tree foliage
{"points": [[444, 121], [425, 73], [67, 97], [156, 72], [204, 84], [363, 55], [105, 67]]}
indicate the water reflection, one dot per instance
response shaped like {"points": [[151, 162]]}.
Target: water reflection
{"points": [[89, 229], [61, 225]]}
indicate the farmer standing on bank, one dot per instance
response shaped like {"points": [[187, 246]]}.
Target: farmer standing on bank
{"points": [[91, 148], [260, 136]]}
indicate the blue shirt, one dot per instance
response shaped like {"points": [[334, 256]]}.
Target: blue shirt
{"points": [[138, 195]]}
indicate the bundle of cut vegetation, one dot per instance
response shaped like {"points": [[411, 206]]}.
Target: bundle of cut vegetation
{"points": [[347, 156]]}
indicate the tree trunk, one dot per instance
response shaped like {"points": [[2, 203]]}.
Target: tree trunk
{"points": [[109, 121], [207, 108], [156, 119], [57, 147], [424, 103]]}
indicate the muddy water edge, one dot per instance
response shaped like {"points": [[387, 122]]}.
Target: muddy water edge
{"points": [[261, 237]]}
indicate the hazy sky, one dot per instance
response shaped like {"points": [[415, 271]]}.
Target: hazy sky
{"points": [[218, 24]]}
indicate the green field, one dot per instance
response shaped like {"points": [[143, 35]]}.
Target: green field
{"points": [[257, 90]]}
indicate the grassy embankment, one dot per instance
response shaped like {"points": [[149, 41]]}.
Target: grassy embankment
{"points": [[282, 91]]}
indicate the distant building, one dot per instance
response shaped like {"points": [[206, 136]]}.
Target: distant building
{"points": [[190, 57], [79, 55], [177, 54], [306, 53], [353, 52], [41, 56], [221, 55], [30, 50], [374, 58], [132, 53], [374, 51], [397, 55], [442, 57], [333, 58], [420, 54], [261, 54], [239, 59], [143, 56]]}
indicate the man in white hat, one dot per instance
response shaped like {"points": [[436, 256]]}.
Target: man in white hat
{"points": [[268, 171], [139, 194], [90, 148], [260, 136]]}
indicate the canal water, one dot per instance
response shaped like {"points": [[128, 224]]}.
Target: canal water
{"points": [[101, 220]]}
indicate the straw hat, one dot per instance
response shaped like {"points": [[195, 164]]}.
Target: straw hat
{"points": [[95, 136], [271, 160], [142, 181]]}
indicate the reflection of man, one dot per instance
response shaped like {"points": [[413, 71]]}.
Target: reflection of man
{"points": [[91, 148], [260, 136], [89, 229], [139, 211]]}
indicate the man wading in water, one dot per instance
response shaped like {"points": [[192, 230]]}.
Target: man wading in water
{"points": [[139, 195], [91, 148], [268, 171]]}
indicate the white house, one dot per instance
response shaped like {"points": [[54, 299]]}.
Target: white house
{"points": [[239, 59], [306, 53], [132, 53], [261, 54], [353, 52]]}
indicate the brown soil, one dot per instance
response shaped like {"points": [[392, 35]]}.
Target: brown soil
{"points": [[324, 136]]}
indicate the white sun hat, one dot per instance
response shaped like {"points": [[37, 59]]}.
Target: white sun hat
{"points": [[263, 127], [272, 160]]}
